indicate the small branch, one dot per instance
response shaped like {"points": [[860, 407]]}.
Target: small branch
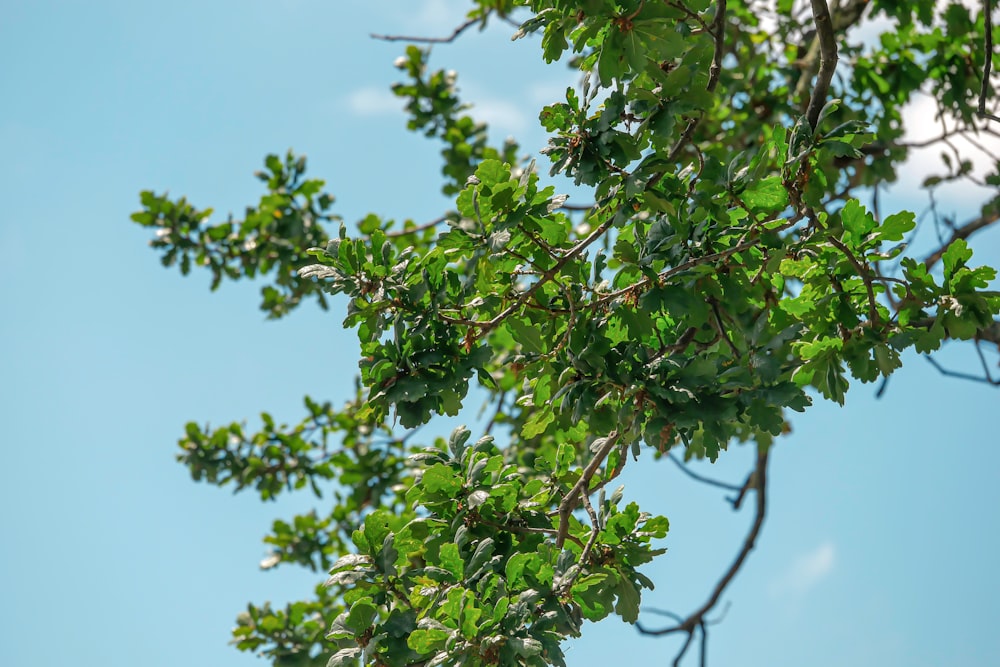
{"points": [[689, 264], [527, 530], [684, 648], [716, 311], [988, 64], [496, 413], [719, 32], [989, 333], [396, 233], [986, 367], [429, 40], [581, 487], [960, 375], [700, 478], [595, 529], [493, 323], [827, 60], [963, 232], [864, 272]]}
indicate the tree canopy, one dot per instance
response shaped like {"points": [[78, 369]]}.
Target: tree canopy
{"points": [[727, 262]]}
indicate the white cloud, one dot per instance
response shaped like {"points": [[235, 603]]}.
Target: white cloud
{"points": [[499, 115], [549, 92], [441, 15], [371, 100], [921, 123], [805, 572]]}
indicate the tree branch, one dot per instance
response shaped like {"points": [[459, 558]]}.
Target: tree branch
{"points": [[396, 233], [696, 619], [988, 64], [569, 500], [719, 32], [864, 272], [700, 478], [827, 60], [986, 379], [429, 40], [963, 232]]}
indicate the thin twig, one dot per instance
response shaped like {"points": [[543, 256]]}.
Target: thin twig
{"points": [[487, 326], [986, 367], [691, 263], [528, 530], [718, 32], [963, 232], [429, 40], [959, 374], [496, 413], [684, 648], [864, 272], [700, 478], [396, 233]]}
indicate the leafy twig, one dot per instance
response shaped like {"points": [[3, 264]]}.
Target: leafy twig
{"points": [[569, 501], [864, 272]]}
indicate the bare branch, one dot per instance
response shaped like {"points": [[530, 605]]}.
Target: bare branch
{"points": [[429, 40], [961, 375], [696, 620], [963, 232], [700, 478], [396, 233], [848, 13]]}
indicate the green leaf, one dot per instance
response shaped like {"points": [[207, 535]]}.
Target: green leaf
{"points": [[441, 478], [345, 657], [426, 641], [628, 601], [361, 615], [957, 254], [456, 443], [857, 223], [525, 646], [895, 226], [451, 560], [769, 195], [527, 335]]}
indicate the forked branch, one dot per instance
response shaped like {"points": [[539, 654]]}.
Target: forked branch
{"points": [[696, 620]]}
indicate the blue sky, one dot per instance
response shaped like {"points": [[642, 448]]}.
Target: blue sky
{"points": [[880, 548]]}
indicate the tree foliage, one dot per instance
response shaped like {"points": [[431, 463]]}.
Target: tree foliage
{"points": [[723, 271]]}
